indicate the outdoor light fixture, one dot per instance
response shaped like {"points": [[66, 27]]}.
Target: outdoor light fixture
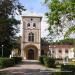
{"points": [[2, 50]]}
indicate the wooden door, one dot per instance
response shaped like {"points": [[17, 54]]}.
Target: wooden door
{"points": [[31, 54]]}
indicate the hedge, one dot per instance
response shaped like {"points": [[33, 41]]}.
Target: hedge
{"points": [[17, 60], [41, 59], [6, 62], [68, 68], [63, 73], [47, 61]]}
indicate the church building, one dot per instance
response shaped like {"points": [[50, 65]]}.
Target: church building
{"points": [[31, 37]]}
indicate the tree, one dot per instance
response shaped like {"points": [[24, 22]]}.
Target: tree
{"points": [[8, 23], [67, 41], [44, 42], [70, 30], [57, 10]]}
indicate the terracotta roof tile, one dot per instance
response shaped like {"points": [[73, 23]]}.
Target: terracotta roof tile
{"points": [[60, 46]]}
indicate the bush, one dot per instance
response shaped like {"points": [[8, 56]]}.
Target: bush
{"points": [[49, 62], [57, 73], [41, 59], [68, 68], [59, 59], [6, 62], [63, 73], [17, 60]]}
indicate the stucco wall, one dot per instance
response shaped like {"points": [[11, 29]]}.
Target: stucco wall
{"points": [[70, 53]]}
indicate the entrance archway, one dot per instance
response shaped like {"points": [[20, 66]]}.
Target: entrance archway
{"points": [[31, 52]]}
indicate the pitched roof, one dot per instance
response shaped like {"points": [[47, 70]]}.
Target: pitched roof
{"points": [[60, 46]]}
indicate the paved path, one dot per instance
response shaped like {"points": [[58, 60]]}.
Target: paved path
{"points": [[27, 68]]}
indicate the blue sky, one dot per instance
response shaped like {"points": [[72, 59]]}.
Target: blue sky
{"points": [[37, 7], [34, 5]]}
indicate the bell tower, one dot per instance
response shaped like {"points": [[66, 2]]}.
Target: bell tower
{"points": [[31, 37]]}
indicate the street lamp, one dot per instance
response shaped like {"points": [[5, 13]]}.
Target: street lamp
{"points": [[2, 50]]}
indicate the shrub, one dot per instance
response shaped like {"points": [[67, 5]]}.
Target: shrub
{"points": [[63, 73], [49, 62], [17, 59], [68, 68], [6, 62], [41, 59], [57, 73], [59, 59]]}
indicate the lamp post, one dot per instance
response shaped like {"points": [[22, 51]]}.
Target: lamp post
{"points": [[2, 50]]}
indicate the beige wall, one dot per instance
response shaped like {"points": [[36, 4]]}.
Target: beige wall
{"points": [[27, 30], [70, 53]]}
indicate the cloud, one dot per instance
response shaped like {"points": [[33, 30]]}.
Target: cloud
{"points": [[44, 27]]}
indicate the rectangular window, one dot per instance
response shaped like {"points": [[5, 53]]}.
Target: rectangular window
{"points": [[34, 25], [53, 51], [66, 51], [60, 51]]}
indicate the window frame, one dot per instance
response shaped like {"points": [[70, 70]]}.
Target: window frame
{"points": [[66, 51], [34, 25], [28, 25], [31, 37], [60, 51]]}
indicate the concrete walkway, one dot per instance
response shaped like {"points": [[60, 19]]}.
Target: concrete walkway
{"points": [[28, 67]]}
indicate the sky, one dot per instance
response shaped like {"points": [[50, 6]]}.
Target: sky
{"points": [[37, 7], [34, 5]]}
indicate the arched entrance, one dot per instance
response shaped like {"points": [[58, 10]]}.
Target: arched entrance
{"points": [[31, 52]]}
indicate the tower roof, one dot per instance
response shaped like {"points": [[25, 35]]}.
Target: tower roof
{"points": [[31, 14]]}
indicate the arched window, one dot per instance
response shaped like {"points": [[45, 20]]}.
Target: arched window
{"points": [[28, 25], [34, 25], [31, 37]]}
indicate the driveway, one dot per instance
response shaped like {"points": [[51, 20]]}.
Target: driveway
{"points": [[28, 67]]}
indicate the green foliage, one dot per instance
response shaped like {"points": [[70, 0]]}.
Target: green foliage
{"points": [[70, 30], [44, 41], [63, 73], [6, 62], [68, 68], [67, 41], [41, 59], [8, 23], [57, 73], [17, 60], [57, 9], [49, 62]]}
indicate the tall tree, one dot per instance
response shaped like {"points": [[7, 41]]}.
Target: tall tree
{"points": [[44, 41], [59, 9], [8, 23]]}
